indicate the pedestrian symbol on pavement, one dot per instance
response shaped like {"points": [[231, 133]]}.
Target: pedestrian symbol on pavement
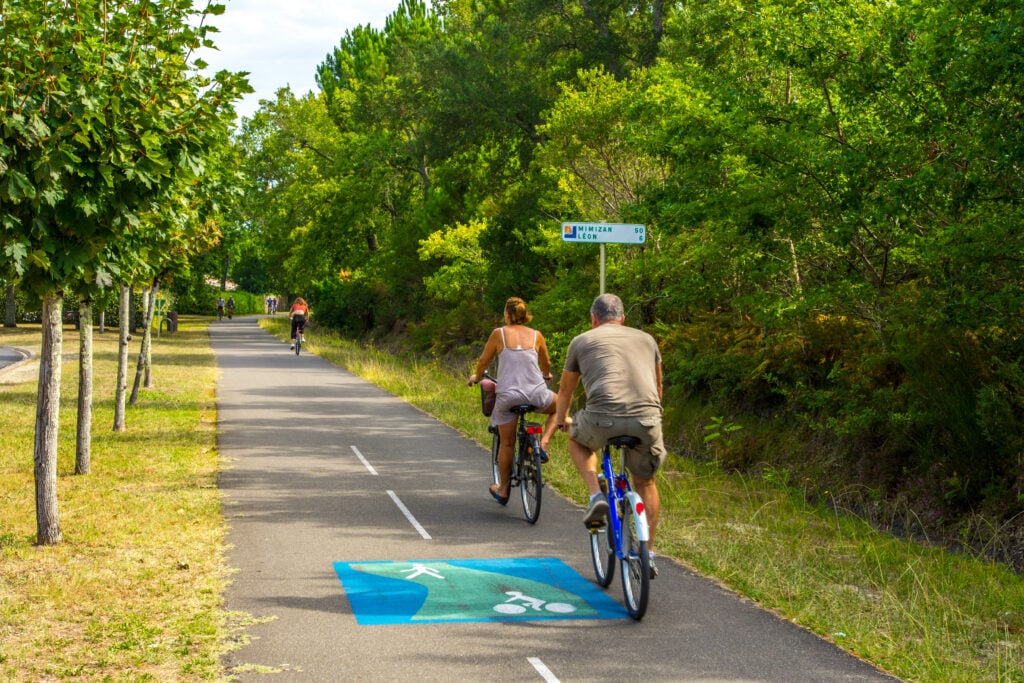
{"points": [[517, 589]]}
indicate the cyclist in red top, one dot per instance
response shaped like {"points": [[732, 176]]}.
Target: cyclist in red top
{"points": [[298, 314]]}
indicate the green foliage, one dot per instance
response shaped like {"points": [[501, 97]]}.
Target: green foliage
{"points": [[464, 273], [107, 131], [357, 305]]}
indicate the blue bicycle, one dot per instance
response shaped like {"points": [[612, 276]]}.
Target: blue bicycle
{"points": [[625, 535]]}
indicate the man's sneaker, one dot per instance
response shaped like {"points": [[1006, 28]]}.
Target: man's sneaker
{"points": [[597, 511], [654, 568]]}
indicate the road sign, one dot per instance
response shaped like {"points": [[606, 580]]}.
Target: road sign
{"points": [[599, 233], [433, 591]]}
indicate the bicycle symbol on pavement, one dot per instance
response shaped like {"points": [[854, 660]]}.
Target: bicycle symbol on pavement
{"points": [[531, 603]]}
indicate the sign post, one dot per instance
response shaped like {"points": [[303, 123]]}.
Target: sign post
{"points": [[602, 233], [159, 313]]}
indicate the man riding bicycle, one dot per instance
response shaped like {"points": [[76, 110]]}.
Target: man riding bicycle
{"points": [[620, 368]]}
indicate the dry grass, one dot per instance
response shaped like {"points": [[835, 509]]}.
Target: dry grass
{"points": [[134, 590]]}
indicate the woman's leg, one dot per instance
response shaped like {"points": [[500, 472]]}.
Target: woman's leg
{"points": [[549, 424], [507, 434]]}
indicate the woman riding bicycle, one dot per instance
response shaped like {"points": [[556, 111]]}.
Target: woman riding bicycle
{"points": [[524, 368], [298, 314]]}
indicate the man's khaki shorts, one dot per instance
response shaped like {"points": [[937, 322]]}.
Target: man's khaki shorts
{"points": [[594, 429]]}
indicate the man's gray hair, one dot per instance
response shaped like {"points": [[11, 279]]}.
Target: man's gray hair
{"points": [[607, 307]]}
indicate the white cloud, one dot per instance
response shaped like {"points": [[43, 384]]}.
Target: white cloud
{"points": [[281, 42]]}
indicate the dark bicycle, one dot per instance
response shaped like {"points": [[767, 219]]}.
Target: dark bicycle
{"points": [[526, 460]]}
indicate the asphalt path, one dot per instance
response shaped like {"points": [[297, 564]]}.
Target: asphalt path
{"points": [[10, 355], [323, 467]]}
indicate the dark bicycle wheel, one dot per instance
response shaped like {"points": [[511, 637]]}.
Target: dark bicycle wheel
{"points": [[602, 548], [495, 446], [531, 481], [636, 565], [298, 344]]}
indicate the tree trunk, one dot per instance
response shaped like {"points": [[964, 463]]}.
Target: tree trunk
{"points": [[133, 324], [144, 351], [147, 340], [47, 424], [122, 359], [103, 322], [10, 315], [83, 438]]}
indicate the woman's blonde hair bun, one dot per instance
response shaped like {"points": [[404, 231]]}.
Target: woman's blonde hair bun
{"points": [[517, 312]]}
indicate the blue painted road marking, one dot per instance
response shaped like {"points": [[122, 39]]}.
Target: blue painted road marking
{"points": [[432, 591]]}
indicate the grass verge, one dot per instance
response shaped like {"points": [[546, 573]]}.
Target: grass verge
{"points": [[134, 591], [921, 613]]}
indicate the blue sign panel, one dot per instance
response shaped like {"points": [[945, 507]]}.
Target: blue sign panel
{"points": [[431, 591]]}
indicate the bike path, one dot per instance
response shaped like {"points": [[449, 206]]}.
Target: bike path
{"points": [[11, 355], [340, 496]]}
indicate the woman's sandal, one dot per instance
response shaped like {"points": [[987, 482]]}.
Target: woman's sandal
{"points": [[501, 500]]}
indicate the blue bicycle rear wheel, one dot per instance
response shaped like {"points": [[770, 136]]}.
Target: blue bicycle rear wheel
{"points": [[636, 565]]}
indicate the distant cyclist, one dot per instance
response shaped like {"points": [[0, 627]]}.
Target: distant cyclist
{"points": [[220, 308], [298, 314], [231, 307]]}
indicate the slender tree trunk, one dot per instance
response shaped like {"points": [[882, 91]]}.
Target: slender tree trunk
{"points": [[103, 322], [47, 424], [143, 363], [132, 322], [83, 439], [10, 314], [122, 359], [147, 340], [795, 268]]}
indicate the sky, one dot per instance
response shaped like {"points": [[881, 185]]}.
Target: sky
{"points": [[281, 42]]}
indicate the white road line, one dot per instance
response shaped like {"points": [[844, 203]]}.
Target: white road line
{"points": [[544, 672], [366, 463], [408, 515]]}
